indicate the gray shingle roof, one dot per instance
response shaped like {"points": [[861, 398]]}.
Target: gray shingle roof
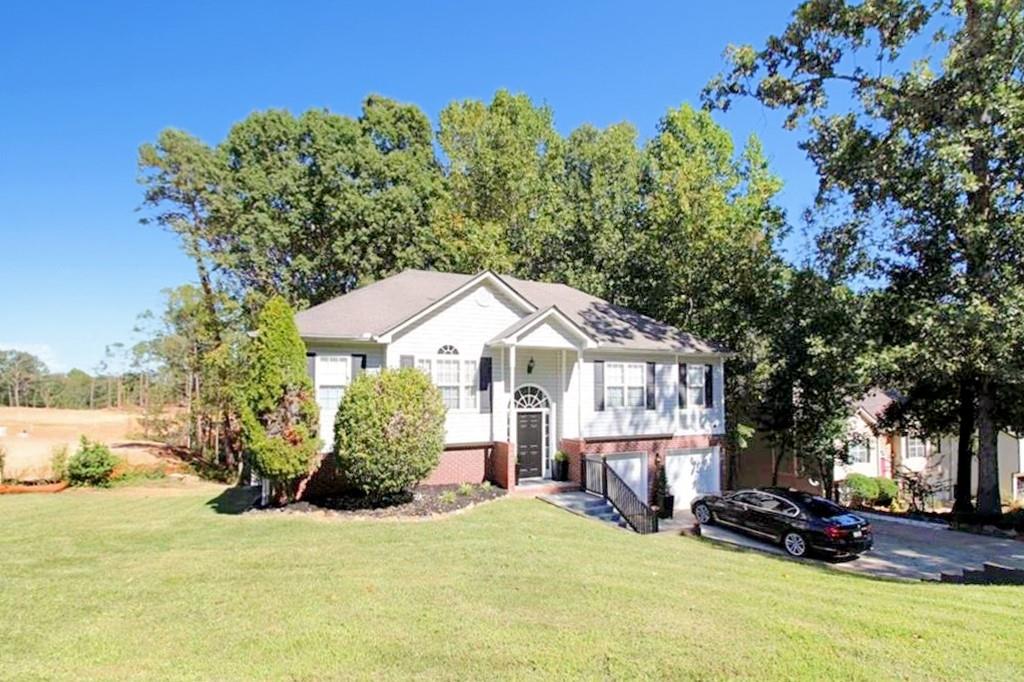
{"points": [[378, 307]]}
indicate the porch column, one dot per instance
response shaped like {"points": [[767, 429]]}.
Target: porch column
{"points": [[511, 393], [579, 393]]}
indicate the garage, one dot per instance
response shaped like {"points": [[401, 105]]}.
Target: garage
{"points": [[691, 473], [631, 467]]}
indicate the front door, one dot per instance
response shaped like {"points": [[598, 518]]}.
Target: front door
{"points": [[530, 443]]}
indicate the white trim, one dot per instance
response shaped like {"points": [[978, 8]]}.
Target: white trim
{"points": [[547, 433], [588, 340], [485, 276]]}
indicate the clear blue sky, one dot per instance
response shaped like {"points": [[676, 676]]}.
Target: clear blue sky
{"points": [[82, 85]]}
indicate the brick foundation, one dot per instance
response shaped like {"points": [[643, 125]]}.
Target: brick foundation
{"points": [[502, 469], [654, 446], [461, 465]]}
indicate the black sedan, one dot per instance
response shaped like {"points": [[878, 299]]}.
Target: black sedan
{"points": [[799, 521]]}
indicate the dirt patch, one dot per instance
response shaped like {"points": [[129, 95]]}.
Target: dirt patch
{"points": [[426, 501], [30, 435]]}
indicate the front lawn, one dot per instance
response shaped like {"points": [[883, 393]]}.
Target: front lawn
{"points": [[161, 583]]}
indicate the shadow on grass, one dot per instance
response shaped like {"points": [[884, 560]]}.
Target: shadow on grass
{"points": [[235, 500]]}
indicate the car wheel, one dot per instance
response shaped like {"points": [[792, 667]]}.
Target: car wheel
{"points": [[702, 513], [794, 544]]}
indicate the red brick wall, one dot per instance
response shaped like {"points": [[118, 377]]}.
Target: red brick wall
{"points": [[502, 467], [654, 447], [463, 465]]}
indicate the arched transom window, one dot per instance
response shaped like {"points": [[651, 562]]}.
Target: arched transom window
{"points": [[530, 398]]}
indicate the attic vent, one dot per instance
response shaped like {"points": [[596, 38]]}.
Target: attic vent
{"points": [[447, 349]]}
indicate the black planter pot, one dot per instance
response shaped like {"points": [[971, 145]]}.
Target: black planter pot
{"points": [[668, 504], [560, 471], [517, 472]]}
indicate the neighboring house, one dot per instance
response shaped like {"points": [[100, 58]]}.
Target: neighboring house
{"points": [[527, 369], [888, 454]]}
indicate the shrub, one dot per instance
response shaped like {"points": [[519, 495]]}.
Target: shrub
{"points": [[862, 489], [887, 491], [59, 462], [3, 457], [389, 431], [466, 489], [278, 414], [93, 464], [485, 486], [447, 497], [561, 456]]}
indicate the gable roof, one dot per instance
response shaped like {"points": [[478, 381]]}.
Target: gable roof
{"points": [[378, 308], [536, 318]]}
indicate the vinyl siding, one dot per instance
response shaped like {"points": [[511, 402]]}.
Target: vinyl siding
{"points": [[467, 323], [326, 374]]}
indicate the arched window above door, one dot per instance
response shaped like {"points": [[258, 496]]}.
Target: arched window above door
{"points": [[530, 398]]}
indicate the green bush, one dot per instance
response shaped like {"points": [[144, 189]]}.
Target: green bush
{"points": [[447, 497], [278, 413], [466, 489], [59, 462], [863, 489], [389, 431], [93, 464], [887, 491]]}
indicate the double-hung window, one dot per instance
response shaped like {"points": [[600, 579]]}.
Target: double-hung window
{"points": [[446, 378], [915, 448], [456, 379], [858, 452], [695, 385], [624, 384]]}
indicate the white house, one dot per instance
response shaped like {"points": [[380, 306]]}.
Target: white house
{"points": [[527, 369]]}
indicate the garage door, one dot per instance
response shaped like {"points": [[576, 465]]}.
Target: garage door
{"points": [[631, 468], [691, 473]]}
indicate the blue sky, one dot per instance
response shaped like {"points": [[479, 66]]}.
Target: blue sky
{"points": [[84, 84]]}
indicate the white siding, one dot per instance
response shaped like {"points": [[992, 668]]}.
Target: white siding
{"points": [[667, 417], [467, 323]]}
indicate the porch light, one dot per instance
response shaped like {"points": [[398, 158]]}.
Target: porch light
{"points": [[529, 366]]}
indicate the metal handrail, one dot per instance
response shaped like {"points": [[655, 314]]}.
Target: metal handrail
{"points": [[635, 511]]}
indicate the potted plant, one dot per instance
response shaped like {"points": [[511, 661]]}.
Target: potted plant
{"points": [[561, 468], [664, 501]]}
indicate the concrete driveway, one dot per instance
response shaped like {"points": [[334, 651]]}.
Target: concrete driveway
{"points": [[919, 551]]}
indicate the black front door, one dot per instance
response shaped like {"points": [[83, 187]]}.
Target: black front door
{"points": [[529, 443]]}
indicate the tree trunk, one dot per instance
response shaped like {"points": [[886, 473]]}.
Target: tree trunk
{"points": [[963, 502], [988, 454], [776, 464]]}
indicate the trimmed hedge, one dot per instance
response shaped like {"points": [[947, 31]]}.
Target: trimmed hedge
{"points": [[389, 431], [887, 491], [863, 489]]}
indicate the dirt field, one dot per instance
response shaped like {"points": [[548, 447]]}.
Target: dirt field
{"points": [[32, 435]]}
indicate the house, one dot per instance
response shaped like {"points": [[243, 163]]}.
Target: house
{"points": [[527, 369], [887, 454]]}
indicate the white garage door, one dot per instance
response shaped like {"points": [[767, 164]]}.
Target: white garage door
{"points": [[691, 473], [631, 468]]}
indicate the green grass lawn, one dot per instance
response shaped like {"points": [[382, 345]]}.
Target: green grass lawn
{"points": [[155, 583]]}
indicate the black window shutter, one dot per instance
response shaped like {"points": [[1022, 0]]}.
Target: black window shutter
{"points": [[406, 361], [709, 385], [311, 366], [599, 385], [485, 379], [485, 373], [682, 384], [650, 386], [358, 365]]}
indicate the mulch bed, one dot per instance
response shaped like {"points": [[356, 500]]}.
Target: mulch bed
{"points": [[425, 501], [24, 488]]}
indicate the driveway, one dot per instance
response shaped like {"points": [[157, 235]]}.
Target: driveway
{"points": [[920, 551]]}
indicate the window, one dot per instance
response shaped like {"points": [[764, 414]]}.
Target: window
{"points": [[915, 448], [469, 384], [329, 397], [457, 380], [858, 452], [624, 384], [446, 378], [694, 385], [423, 365]]}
